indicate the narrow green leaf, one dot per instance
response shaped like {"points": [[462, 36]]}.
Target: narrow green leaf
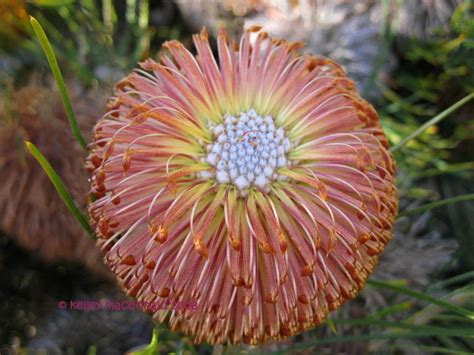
{"points": [[437, 331], [453, 280], [448, 169], [109, 16], [59, 186], [51, 3], [439, 350], [331, 326], [130, 14], [149, 349], [436, 204], [48, 51], [423, 297], [459, 297], [432, 122], [391, 309], [445, 331]]}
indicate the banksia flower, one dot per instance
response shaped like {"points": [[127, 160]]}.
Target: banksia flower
{"points": [[257, 185], [31, 212]]}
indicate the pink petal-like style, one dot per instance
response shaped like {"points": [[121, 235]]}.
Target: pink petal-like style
{"points": [[257, 185]]}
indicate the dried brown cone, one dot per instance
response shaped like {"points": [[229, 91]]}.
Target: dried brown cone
{"points": [[31, 212]]}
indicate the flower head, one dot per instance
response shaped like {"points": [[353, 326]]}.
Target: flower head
{"points": [[258, 185]]}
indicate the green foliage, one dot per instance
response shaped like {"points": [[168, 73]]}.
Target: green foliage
{"points": [[93, 41], [431, 122], [152, 348], [60, 188], [53, 64], [444, 325], [52, 3], [431, 74], [430, 206], [433, 151]]}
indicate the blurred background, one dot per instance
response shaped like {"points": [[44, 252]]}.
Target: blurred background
{"points": [[411, 59]]}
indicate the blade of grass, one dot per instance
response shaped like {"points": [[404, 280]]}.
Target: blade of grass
{"points": [[449, 343], [52, 3], [374, 336], [130, 13], [432, 122], [151, 348], [391, 309], [48, 51], [109, 16], [453, 332], [459, 297], [423, 297], [453, 280], [434, 349], [60, 188], [436, 204], [449, 169]]}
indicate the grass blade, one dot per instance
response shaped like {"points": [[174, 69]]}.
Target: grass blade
{"points": [[59, 186], [151, 348], [53, 63], [432, 122], [52, 3], [453, 280], [436, 204], [448, 169], [396, 335], [435, 349], [404, 306], [423, 297], [445, 331]]}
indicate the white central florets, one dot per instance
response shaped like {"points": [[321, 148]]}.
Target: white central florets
{"points": [[247, 151]]}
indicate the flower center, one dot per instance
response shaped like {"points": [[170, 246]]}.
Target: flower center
{"points": [[247, 151]]}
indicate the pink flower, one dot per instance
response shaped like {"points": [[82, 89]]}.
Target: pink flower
{"points": [[258, 185]]}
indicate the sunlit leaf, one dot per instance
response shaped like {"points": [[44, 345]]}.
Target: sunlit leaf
{"points": [[149, 349], [51, 3]]}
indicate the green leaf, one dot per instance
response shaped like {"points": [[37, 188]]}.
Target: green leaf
{"points": [[433, 331], [51, 3], [150, 349], [439, 350], [436, 204], [331, 326], [48, 51], [404, 306], [456, 168], [59, 186], [444, 331], [432, 122], [453, 280], [423, 297]]}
